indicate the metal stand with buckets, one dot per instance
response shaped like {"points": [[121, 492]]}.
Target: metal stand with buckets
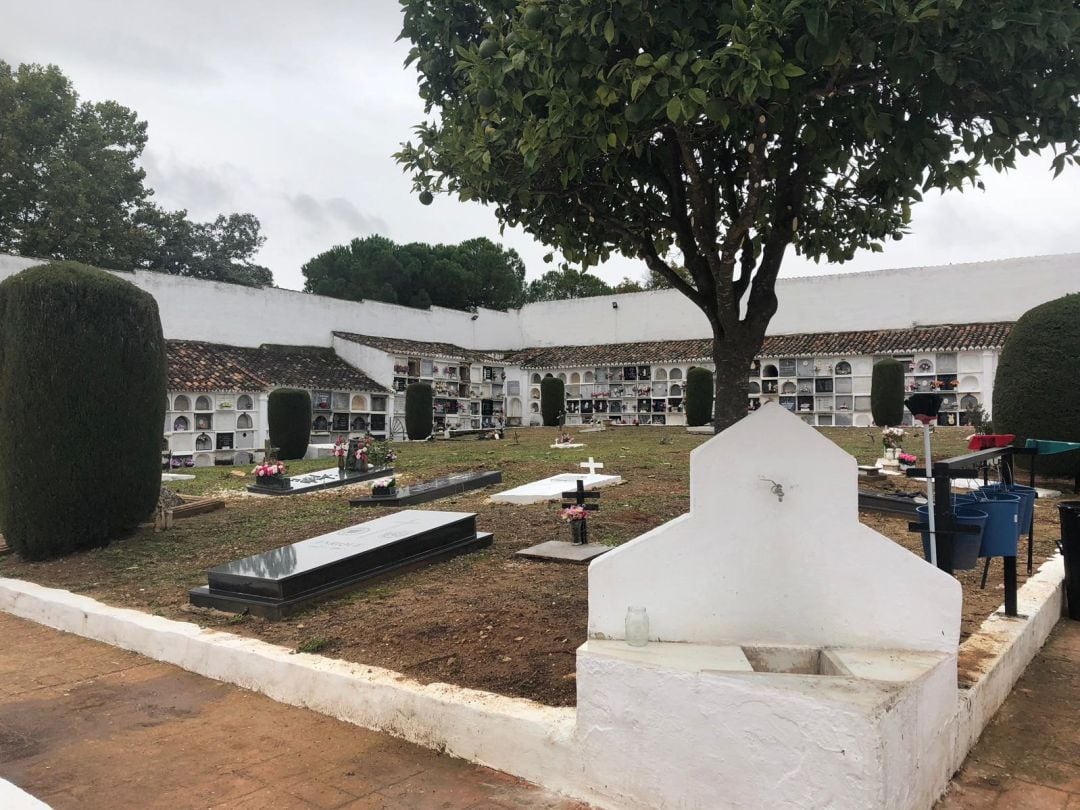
{"points": [[954, 516], [1070, 550]]}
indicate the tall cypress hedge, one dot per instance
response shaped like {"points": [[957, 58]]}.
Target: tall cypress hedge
{"points": [[1037, 385], [699, 396], [82, 408], [288, 419], [552, 400], [887, 393], [419, 400]]}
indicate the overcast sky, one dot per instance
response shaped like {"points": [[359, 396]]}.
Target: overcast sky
{"points": [[292, 110]]}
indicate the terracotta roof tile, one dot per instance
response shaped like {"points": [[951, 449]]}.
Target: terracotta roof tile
{"points": [[199, 366], [416, 348], [958, 337]]}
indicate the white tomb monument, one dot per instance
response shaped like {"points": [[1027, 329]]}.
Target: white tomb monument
{"points": [[552, 488], [797, 658]]}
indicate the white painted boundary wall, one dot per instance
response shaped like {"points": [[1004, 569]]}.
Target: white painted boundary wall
{"points": [[537, 743], [885, 299], [192, 309]]}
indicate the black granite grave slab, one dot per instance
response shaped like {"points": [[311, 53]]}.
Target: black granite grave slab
{"points": [[279, 582], [321, 479], [442, 487]]}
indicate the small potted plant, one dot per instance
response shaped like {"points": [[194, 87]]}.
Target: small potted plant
{"points": [[906, 459], [384, 487], [577, 516], [271, 475]]}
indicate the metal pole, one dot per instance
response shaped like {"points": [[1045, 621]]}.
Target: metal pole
{"points": [[930, 496]]}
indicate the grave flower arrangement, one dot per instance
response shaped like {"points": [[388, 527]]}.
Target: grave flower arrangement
{"points": [[892, 437], [270, 469], [382, 487], [375, 453], [574, 513], [907, 459]]}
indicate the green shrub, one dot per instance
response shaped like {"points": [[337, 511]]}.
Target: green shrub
{"points": [[419, 400], [288, 418], [82, 405], [552, 400], [1037, 386], [887, 393], [699, 397]]}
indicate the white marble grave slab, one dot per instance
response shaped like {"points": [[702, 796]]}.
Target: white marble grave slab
{"points": [[567, 446], [551, 489]]}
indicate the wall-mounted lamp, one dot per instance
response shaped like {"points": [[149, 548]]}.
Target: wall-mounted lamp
{"points": [[614, 304], [474, 316]]}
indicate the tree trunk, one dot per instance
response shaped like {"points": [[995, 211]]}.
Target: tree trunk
{"points": [[732, 355]]}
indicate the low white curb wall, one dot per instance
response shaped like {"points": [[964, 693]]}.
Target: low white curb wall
{"points": [[995, 657], [513, 735]]}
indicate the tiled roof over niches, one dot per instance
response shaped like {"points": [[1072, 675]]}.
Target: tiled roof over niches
{"points": [[199, 366], [943, 338]]}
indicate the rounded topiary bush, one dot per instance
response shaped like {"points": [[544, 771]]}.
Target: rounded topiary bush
{"points": [[82, 405], [699, 397], [552, 400], [419, 399], [1037, 385], [887, 393], [288, 418]]}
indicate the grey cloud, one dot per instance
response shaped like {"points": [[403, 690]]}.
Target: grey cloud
{"points": [[204, 191], [335, 211]]}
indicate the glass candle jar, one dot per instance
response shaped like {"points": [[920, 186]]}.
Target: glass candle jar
{"points": [[637, 627]]}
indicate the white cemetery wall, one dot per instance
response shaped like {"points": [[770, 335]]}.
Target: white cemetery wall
{"points": [[10, 265], [376, 363], [193, 309], [884, 299]]}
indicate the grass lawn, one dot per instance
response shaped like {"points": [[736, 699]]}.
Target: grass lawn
{"points": [[486, 620]]}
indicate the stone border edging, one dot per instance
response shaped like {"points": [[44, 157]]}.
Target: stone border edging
{"points": [[513, 735]]}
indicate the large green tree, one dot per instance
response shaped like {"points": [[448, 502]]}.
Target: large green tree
{"points": [[714, 134], [567, 282], [475, 273], [71, 187], [70, 183]]}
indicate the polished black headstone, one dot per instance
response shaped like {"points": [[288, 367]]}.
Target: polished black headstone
{"points": [[278, 582], [321, 479], [442, 487]]}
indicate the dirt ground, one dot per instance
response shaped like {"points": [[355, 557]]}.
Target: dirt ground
{"points": [[487, 620]]}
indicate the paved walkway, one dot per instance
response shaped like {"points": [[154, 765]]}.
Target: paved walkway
{"points": [[85, 725], [1029, 756]]}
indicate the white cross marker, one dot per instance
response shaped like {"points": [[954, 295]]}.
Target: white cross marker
{"points": [[591, 466]]}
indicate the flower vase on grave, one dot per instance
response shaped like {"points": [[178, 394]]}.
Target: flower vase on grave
{"points": [[637, 626], [579, 532], [341, 466]]}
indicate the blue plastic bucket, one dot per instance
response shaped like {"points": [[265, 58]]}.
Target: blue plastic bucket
{"points": [[965, 549], [1002, 533], [1027, 502]]}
